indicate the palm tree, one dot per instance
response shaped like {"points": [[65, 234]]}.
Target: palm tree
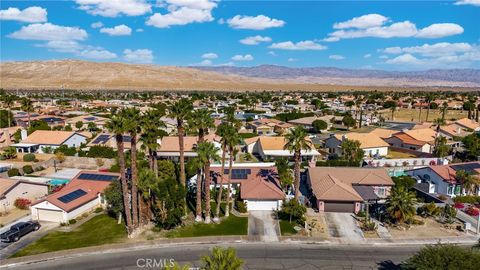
{"points": [[147, 182], [27, 106], [8, 102], [133, 118], [152, 131], [202, 122], [222, 258], [401, 204], [197, 165], [296, 141], [207, 152], [116, 125], [351, 150], [428, 99], [181, 111], [469, 182], [441, 148], [222, 131], [233, 140]]}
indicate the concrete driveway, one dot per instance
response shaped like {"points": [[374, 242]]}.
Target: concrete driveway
{"points": [[343, 225], [264, 225]]}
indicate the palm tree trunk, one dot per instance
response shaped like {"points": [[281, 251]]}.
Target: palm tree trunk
{"points": [[182, 154], [8, 115], [220, 191], [297, 174], [123, 179], [428, 112], [207, 192], [135, 206], [198, 208], [420, 114], [229, 188], [155, 163]]}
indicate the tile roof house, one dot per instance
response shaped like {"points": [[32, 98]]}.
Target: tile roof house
{"points": [[170, 149], [81, 195], [370, 143], [442, 178], [258, 184], [453, 130], [272, 147], [51, 120], [86, 119], [41, 139], [12, 189], [339, 189], [267, 126], [420, 140], [468, 123], [106, 139]]}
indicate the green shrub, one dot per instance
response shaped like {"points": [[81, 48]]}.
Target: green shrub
{"points": [[467, 199], [292, 211], [100, 151], [27, 169], [13, 172], [98, 210], [39, 168], [29, 157], [337, 163], [72, 221], [241, 206]]}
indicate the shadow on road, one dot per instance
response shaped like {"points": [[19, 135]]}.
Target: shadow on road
{"points": [[389, 265]]}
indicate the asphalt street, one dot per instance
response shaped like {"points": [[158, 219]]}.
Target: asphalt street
{"points": [[255, 255]]}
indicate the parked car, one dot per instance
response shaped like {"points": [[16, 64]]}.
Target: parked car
{"points": [[18, 230]]}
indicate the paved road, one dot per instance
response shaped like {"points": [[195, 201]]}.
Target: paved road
{"points": [[255, 255], [262, 223]]}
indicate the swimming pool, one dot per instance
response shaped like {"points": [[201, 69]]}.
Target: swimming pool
{"points": [[58, 181]]}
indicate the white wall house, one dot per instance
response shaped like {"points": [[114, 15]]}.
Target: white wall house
{"points": [[440, 185]]}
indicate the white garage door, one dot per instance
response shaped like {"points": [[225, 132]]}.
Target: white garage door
{"points": [[262, 205], [50, 215]]}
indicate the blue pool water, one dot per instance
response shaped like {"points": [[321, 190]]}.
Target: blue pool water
{"points": [[58, 182], [397, 173]]}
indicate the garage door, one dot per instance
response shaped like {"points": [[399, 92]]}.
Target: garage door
{"points": [[261, 205], [50, 215], [347, 207]]}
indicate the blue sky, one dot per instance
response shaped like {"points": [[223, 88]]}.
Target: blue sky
{"points": [[394, 35]]}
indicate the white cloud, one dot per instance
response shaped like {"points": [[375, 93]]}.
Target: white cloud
{"points": [[119, 30], [28, 15], [259, 22], [468, 2], [368, 55], [437, 49], [96, 25], [181, 12], [404, 59], [272, 53], [97, 54], [139, 30], [301, 45], [239, 57], [138, 56], [439, 30], [383, 56], [114, 8], [375, 25], [64, 46], [336, 57], [365, 21], [206, 62], [209, 56], [292, 59], [255, 40], [48, 31]]}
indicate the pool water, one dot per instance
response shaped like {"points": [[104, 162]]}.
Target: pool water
{"points": [[397, 173], [58, 182]]}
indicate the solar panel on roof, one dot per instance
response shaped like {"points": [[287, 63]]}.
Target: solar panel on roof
{"points": [[127, 138], [470, 168], [90, 118], [72, 196], [97, 177], [101, 139]]}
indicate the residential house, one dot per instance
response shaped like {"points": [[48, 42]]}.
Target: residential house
{"points": [[12, 189], [307, 122], [51, 120], [82, 195], [272, 147], [98, 121], [468, 124], [420, 140], [106, 139], [170, 149], [339, 189], [40, 140], [371, 144], [267, 126]]}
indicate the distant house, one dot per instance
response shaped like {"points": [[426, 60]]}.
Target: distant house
{"points": [[86, 119], [271, 148], [12, 189], [51, 120], [442, 178], [170, 149], [468, 124], [82, 195], [106, 139], [307, 122], [267, 126], [338, 189], [454, 131], [421, 140], [371, 144], [41, 139], [258, 184]]}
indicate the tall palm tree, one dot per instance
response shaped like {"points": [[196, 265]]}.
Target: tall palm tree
{"points": [[202, 122], [116, 125], [469, 182], [401, 204], [296, 141], [152, 131], [233, 140], [27, 106], [133, 118], [428, 99], [222, 258], [181, 110], [197, 164], [207, 152], [8, 102]]}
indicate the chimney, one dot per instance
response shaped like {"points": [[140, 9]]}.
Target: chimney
{"points": [[23, 134]]}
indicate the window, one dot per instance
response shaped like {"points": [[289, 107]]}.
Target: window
{"points": [[450, 190], [381, 191]]}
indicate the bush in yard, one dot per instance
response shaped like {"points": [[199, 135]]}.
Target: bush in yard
{"points": [[443, 256], [429, 210], [449, 213], [27, 169], [13, 172], [292, 211], [98, 210], [459, 205], [9, 152], [100, 151], [29, 157], [72, 221], [222, 258], [241, 206], [22, 203], [472, 211]]}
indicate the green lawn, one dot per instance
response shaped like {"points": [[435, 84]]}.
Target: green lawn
{"points": [[286, 228], [99, 230], [231, 226]]}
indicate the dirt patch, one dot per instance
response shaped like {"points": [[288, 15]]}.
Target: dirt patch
{"points": [[431, 229], [318, 224]]}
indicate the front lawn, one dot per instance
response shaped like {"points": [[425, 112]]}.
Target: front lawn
{"points": [[286, 228], [99, 230], [233, 225]]}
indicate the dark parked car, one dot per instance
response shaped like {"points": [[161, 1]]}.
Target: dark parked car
{"points": [[18, 230]]}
